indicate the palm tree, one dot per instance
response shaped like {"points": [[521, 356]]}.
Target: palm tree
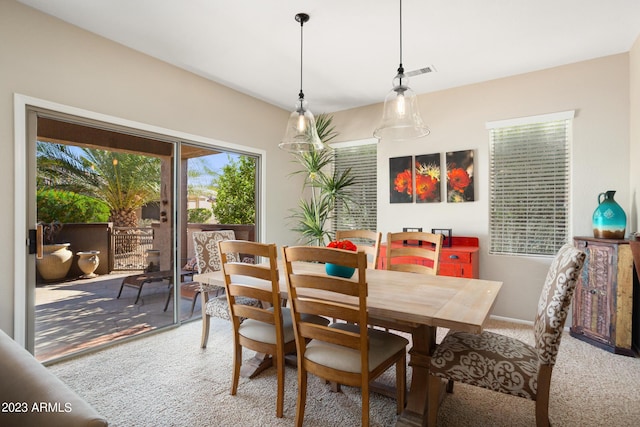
{"points": [[125, 182], [329, 188]]}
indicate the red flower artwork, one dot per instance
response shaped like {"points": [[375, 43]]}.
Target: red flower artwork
{"points": [[400, 180], [343, 244], [427, 174], [402, 183], [458, 179], [426, 186], [460, 186]]}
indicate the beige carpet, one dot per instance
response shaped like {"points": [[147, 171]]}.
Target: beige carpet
{"points": [[166, 380]]}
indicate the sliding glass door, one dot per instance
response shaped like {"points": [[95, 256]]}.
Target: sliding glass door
{"points": [[105, 201], [121, 199]]}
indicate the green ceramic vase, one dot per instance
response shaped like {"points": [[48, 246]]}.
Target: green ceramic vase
{"points": [[609, 219]]}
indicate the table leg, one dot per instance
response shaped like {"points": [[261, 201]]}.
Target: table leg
{"points": [[424, 341], [258, 363], [261, 361]]}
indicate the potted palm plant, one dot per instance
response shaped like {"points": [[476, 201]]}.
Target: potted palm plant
{"points": [[56, 257], [328, 188]]}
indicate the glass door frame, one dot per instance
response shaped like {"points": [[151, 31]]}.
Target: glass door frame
{"points": [[24, 263]]}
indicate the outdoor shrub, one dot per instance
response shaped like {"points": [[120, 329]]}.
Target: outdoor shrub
{"points": [[199, 215], [68, 207]]}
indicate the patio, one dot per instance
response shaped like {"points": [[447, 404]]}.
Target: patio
{"points": [[76, 315], [79, 315]]}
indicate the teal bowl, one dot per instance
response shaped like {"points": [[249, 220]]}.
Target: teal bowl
{"points": [[339, 270]]}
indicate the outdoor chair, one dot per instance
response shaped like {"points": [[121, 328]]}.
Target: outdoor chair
{"points": [[507, 365], [139, 280]]}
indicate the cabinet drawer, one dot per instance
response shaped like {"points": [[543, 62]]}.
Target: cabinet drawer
{"points": [[452, 270], [455, 257], [458, 260]]}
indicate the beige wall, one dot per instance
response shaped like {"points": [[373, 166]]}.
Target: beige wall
{"points": [[45, 58], [599, 92]]}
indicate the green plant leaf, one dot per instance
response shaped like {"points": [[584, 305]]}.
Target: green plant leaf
{"points": [[328, 188]]}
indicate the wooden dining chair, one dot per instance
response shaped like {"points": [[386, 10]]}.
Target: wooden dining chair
{"points": [[366, 240], [414, 251], [265, 330], [507, 365], [347, 353], [369, 242]]}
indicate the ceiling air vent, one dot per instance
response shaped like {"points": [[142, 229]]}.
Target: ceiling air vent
{"points": [[425, 70]]}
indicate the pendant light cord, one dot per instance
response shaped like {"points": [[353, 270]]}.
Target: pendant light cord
{"points": [[401, 68], [400, 33], [301, 94]]}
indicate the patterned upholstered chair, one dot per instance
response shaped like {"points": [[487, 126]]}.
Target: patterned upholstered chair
{"points": [[214, 300], [507, 365]]}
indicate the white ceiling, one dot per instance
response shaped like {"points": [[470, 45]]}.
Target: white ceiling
{"points": [[351, 47]]}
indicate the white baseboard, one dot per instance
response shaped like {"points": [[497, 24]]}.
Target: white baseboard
{"points": [[520, 321], [512, 320]]}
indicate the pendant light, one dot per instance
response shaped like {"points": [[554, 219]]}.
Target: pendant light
{"points": [[301, 134], [401, 118]]}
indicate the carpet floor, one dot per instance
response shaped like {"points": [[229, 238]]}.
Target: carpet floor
{"points": [[165, 379]]}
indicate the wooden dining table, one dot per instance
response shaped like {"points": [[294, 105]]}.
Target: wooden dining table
{"points": [[417, 304]]}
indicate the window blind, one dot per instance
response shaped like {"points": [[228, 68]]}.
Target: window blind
{"points": [[529, 188], [361, 212]]}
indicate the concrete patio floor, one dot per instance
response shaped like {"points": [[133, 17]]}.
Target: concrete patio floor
{"points": [[83, 314]]}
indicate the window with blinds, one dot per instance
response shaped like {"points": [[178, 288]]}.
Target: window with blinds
{"points": [[529, 184], [361, 157]]}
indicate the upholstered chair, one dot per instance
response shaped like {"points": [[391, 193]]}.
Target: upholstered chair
{"points": [[214, 302], [507, 365], [349, 352]]}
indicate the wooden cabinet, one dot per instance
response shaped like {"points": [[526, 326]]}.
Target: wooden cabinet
{"points": [[458, 260], [603, 300]]}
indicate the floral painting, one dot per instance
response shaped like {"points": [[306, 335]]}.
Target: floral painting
{"points": [[427, 175], [460, 186], [400, 180]]}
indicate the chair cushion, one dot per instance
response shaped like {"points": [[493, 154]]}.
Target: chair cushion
{"points": [[266, 332], [210, 287], [488, 360], [219, 306], [382, 345]]}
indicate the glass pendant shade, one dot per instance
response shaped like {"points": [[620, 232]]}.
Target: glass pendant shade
{"points": [[401, 118], [301, 134]]}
